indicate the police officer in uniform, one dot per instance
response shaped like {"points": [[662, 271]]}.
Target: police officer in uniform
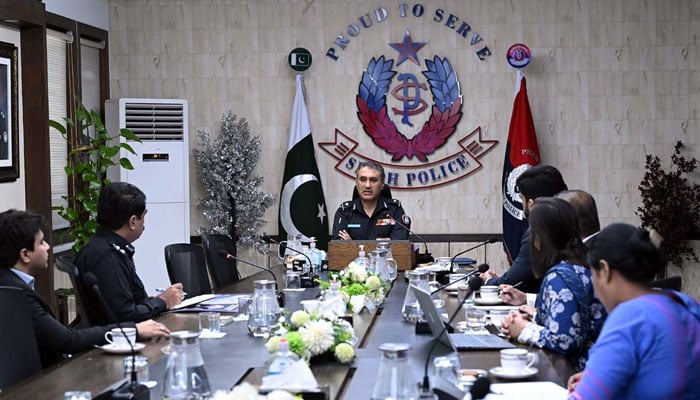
{"points": [[121, 215], [370, 216]]}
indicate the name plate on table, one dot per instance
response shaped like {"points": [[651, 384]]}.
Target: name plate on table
{"points": [[342, 252]]}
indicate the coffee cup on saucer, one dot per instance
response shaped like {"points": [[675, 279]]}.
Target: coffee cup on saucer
{"points": [[116, 337], [516, 360], [489, 292], [444, 262]]}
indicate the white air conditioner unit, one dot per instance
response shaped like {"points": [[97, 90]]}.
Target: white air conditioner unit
{"points": [[161, 171]]}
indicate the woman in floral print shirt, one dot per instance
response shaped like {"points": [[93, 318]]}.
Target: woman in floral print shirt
{"points": [[568, 316]]}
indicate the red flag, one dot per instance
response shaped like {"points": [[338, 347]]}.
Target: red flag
{"points": [[522, 152]]}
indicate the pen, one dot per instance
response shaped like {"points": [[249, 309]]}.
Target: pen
{"points": [[161, 290], [500, 291]]}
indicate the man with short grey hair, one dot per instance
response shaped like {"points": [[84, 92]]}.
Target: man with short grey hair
{"points": [[371, 215]]}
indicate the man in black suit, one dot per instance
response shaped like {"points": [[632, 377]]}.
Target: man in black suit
{"points": [[24, 254], [535, 182], [109, 255]]}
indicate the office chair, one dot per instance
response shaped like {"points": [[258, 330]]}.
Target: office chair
{"points": [[672, 282], [186, 264], [65, 264], [19, 353], [222, 270]]}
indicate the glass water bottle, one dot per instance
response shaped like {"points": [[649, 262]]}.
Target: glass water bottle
{"points": [[185, 377], [264, 309], [395, 379], [411, 309]]}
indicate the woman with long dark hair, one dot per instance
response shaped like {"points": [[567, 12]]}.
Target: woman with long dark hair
{"points": [[649, 347], [568, 317]]}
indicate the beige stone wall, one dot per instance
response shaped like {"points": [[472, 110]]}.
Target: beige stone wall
{"points": [[610, 81]]}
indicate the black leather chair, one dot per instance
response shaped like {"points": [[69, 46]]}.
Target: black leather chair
{"points": [[65, 264], [19, 353], [672, 282], [222, 270], [186, 264]]}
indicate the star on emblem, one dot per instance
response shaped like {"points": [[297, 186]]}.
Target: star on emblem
{"points": [[321, 215], [407, 49]]}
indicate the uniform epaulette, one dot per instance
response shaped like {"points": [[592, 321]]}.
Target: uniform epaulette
{"points": [[395, 202], [347, 205]]}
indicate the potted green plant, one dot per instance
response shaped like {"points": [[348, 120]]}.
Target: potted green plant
{"points": [[86, 169], [671, 204]]}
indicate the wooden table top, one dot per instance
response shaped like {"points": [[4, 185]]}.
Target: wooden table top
{"points": [[239, 356]]}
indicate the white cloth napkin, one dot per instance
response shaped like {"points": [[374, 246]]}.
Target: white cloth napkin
{"points": [[296, 377]]}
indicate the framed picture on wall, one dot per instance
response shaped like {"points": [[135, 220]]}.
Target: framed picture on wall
{"points": [[9, 126]]}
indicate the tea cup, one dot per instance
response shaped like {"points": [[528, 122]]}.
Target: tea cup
{"points": [[517, 360]]}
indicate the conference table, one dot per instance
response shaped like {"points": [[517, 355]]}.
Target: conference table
{"points": [[239, 356]]}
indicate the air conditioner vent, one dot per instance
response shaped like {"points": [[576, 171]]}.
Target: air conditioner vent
{"points": [[155, 121]]}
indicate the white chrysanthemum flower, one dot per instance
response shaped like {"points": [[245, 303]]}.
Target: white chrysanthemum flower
{"points": [[244, 391], [273, 344], [299, 318], [373, 283], [344, 353], [280, 395], [361, 276], [318, 336]]}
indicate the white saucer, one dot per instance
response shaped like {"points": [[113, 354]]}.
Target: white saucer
{"points": [[210, 335], [488, 302], [499, 372], [111, 348]]}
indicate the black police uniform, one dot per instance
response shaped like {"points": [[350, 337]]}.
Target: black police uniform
{"points": [[352, 218], [110, 258]]}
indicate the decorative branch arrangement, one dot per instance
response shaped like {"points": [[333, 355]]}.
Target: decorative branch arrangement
{"points": [[232, 194], [671, 203]]}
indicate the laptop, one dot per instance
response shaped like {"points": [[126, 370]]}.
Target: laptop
{"points": [[455, 341]]}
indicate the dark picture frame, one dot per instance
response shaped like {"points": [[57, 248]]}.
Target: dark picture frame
{"points": [[9, 114]]}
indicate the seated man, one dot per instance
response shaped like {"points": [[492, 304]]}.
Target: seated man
{"points": [[121, 214], [586, 211], [535, 182], [24, 254], [370, 216]]}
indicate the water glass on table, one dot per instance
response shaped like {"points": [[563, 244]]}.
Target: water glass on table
{"points": [[243, 309], [209, 323], [476, 319], [293, 279], [141, 365]]}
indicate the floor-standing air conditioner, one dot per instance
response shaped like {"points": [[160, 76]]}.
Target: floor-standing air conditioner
{"points": [[161, 171]]}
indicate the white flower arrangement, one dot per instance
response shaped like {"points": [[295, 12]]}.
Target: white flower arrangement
{"points": [[360, 288], [246, 391], [311, 334]]}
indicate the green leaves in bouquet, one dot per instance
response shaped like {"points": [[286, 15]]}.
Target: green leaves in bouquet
{"points": [[92, 153]]}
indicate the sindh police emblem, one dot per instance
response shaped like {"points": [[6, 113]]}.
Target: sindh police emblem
{"points": [[382, 80]]}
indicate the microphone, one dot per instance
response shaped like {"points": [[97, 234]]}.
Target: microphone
{"points": [[479, 270], [490, 240], [280, 295], [133, 390], [480, 388], [474, 285], [420, 259], [294, 250]]}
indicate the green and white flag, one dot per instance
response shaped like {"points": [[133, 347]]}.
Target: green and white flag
{"points": [[302, 205]]}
